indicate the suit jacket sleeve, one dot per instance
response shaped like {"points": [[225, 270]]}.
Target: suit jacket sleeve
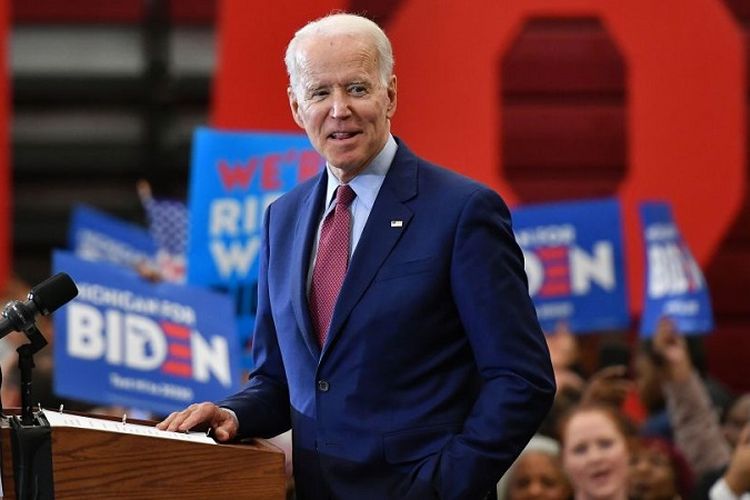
{"points": [[262, 407], [490, 290]]}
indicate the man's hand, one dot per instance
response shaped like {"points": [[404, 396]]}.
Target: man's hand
{"points": [[671, 347], [222, 421]]}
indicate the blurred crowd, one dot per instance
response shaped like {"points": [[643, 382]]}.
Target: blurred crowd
{"points": [[644, 422]]}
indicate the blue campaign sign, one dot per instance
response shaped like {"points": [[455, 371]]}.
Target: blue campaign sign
{"points": [[234, 176], [96, 236], [574, 262], [675, 286], [125, 341]]}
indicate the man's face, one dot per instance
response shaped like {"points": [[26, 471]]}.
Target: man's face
{"points": [[341, 102]]}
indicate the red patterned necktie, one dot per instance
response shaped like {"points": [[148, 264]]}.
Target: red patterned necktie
{"points": [[331, 262]]}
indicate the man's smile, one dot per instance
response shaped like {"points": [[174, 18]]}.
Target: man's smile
{"points": [[343, 135]]}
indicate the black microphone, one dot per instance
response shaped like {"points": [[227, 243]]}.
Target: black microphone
{"points": [[43, 299]]}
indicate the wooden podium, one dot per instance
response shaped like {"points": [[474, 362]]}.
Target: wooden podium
{"points": [[98, 463]]}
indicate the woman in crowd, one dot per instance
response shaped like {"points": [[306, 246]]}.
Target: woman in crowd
{"points": [[658, 471], [595, 452], [537, 474]]}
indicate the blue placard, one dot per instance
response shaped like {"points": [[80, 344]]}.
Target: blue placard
{"points": [[574, 262], [675, 286], [156, 347], [234, 176], [96, 236]]}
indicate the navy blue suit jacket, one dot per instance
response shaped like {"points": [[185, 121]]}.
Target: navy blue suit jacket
{"points": [[435, 373]]}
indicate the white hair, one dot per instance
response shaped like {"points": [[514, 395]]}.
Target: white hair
{"points": [[539, 444], [340, 24]]}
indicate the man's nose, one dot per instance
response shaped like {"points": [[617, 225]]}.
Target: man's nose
{"points": [[340, 106]]}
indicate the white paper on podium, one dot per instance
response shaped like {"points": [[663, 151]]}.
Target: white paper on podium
{"points": [[57, 419]]}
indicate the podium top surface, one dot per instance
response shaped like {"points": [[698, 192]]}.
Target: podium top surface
{"points": [[100, 457]]}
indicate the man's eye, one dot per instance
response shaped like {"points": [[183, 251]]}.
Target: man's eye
{"points": [[357, 90], [318, 94]]}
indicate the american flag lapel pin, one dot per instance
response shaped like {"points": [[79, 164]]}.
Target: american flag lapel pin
{"points": [[397, 223]]}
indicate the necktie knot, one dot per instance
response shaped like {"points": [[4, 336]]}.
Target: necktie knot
{"points": [[345, 195]]}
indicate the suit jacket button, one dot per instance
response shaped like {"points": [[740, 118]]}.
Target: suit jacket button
{"points": [[323, 386]]}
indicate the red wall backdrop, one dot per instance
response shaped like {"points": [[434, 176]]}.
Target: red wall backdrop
{"points": [[550, 100], [6, 232], [109, 11]]}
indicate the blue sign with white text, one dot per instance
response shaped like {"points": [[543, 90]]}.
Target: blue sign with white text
{"points": [[675, 286], [157, 347], [574, 263], [234, 176], [100, 237]]}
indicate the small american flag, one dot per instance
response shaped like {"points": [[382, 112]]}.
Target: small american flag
{"points": [[168, 225]]}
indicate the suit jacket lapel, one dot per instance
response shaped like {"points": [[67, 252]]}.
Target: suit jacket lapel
{"points": [[378, 236], [305, 230]]}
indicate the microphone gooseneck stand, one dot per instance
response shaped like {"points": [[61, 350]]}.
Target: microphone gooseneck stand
{"points": [[22, 319], [30, 435], [25, 365]]}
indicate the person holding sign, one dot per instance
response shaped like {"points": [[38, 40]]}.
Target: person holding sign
{"points": [[395, 334]]}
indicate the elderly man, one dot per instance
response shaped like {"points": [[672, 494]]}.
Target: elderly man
{"points": [[395, 334]]}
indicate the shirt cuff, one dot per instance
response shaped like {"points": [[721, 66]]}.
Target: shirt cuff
{"points": [[232, 413], [721, 491]]}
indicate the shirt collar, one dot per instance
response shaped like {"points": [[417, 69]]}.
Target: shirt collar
{"points": [[367, 183]]}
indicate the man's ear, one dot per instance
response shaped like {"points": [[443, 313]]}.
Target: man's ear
{"points": [[392, 97], [294, 106]]}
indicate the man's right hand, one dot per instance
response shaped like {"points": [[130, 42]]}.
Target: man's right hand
{"points": [[223, 423]]}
